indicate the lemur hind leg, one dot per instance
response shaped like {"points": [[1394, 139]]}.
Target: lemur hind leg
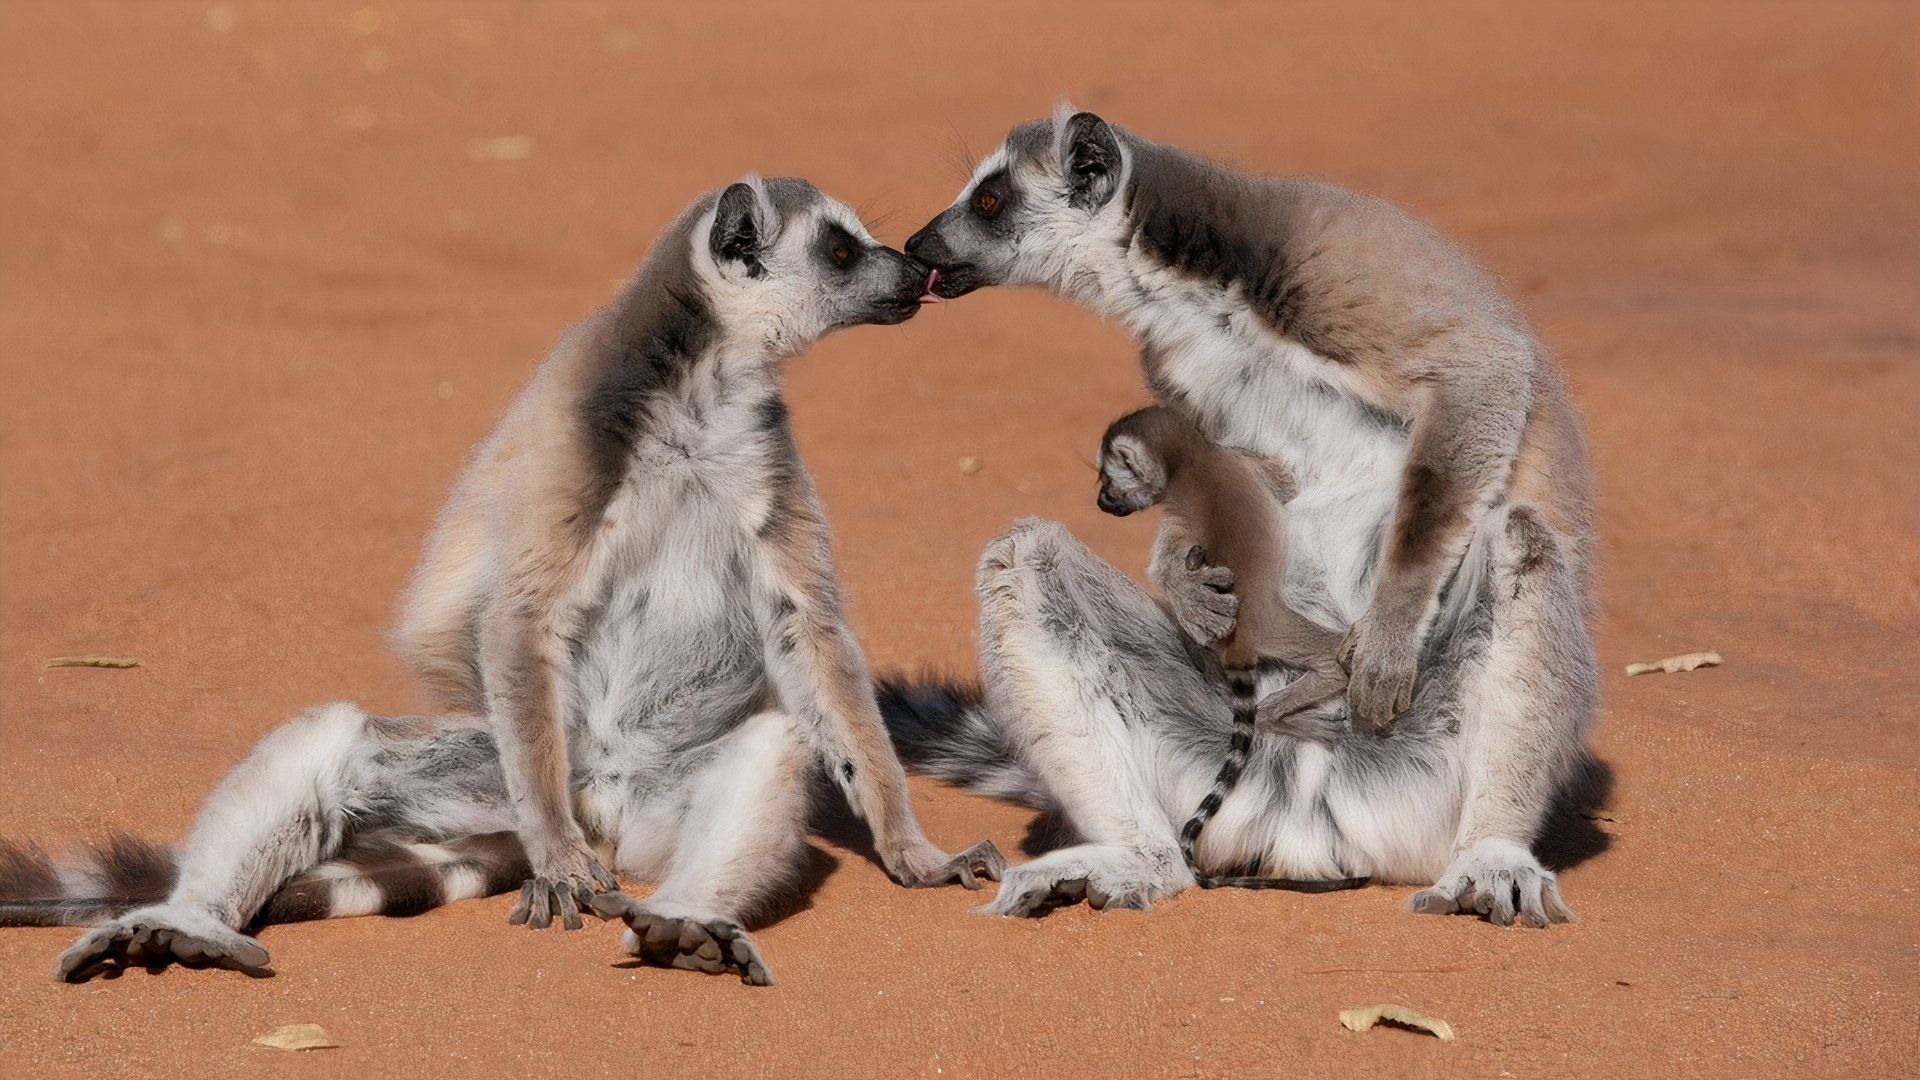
{"points": [[1084, 670], [1524, 716], [739, 845], [295, 801]]}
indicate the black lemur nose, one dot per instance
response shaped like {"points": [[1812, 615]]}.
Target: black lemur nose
{"points": [[929, 246]]}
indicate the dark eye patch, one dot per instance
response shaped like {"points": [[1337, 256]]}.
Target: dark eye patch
{"points": [[991, 195], [840, 248]]}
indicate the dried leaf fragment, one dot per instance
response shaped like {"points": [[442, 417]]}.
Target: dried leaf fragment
{"points": [[504, 148], [298, 1037], [93, 661], [1365, 1017], [970, 465], [1672, 664]]}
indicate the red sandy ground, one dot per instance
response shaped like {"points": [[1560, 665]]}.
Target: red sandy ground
{"points": [[256, 299]]}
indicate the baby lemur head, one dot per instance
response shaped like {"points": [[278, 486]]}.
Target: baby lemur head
{"points": [[782, 264], [1036, 211], [1139, 457]]}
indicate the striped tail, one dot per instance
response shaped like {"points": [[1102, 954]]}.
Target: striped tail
{"points": [[1238, 748], [383, 874], [375, 873], [90, 883]]}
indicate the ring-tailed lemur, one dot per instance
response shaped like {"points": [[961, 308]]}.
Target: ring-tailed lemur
{"points": [[1443, 515], [628, 607], [1229, 508]]}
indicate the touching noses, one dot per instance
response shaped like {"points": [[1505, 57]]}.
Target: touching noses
{"points": [[926, 245]]}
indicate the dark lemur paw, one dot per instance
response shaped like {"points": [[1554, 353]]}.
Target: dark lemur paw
{"points": [[667, 937], [567, 888]]}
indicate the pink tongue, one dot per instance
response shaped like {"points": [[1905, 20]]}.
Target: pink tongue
{"points": [[933, 279]]}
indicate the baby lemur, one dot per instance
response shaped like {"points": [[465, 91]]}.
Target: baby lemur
{"points": [[1233, 504], [627, 611], [1230, 506]]}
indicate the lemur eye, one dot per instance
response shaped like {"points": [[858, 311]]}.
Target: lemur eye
{"points": [[841, 253], [987, 203]]}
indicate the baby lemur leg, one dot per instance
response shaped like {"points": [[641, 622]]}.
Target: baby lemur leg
{"points": [[294, 802], [1286, 711], [1085, 671], [739, 844], [1524, 718]]}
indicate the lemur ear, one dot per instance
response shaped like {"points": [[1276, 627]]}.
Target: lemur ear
{"points": [[1091, 159], [737, 228]]}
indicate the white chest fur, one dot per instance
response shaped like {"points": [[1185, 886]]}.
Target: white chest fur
{"points": [[1250, 388]]}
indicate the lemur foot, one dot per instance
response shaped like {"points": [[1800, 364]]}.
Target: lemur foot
{"points": [[566, 884], [155, 937], [1499, 880], [667, 936], [1032, 889], [1202, 597], [935, 867]]}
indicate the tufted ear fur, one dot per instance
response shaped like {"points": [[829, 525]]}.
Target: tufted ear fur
{"points": [[742, 226], [1090, 160]]}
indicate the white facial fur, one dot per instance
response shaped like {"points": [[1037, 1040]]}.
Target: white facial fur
{"points": [[796, 298]]}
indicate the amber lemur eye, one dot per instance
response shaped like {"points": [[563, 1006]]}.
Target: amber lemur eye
{"points": [[987, 203], [841, 253]]}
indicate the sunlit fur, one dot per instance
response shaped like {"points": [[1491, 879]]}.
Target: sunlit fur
{"points": [[1086, 674]]}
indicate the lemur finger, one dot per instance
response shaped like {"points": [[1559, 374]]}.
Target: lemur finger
{"points": [[518, 916], [1532, 912], [965, 875], [542, 915], [611, 905], [1555, 907], [584, 893], [570, 911], [1498, 898], [1432, 902], [82, 956], [691, 935], [989, 862], [604, 878], [1217, 578], [134, 945], [687, 962], [659, 932]]}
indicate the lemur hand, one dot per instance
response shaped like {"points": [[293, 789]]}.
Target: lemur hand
{"points": [[1382, 659], [564, 879], [923, 865], [1201, 596]]}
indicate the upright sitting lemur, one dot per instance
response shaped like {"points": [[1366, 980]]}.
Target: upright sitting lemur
{"points": [[628, 608], [1443, 515]]}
